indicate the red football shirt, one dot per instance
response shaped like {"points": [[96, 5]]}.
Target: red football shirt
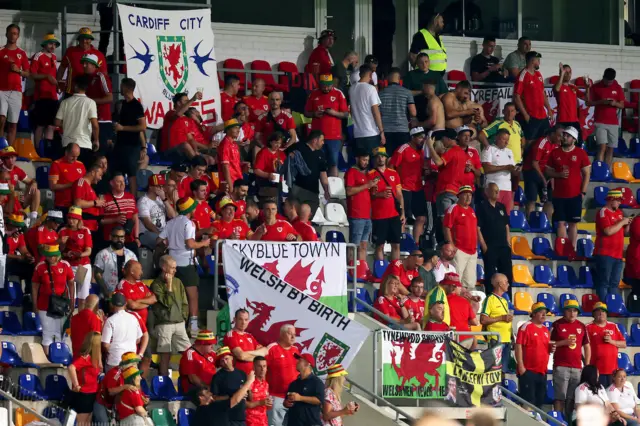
{"points": [[66, 172], [222, 230], [62, 274], [266, 160], [474, 159], [321, 58], [330, 126], [606, 114], [15, 175], [282, 368], [464, 227], [389, 307], [278, 231], [415, 308], [114, 207], [112, 379], [567, 99], [203, 215], [612, 245], [72, 58], [575, 160], [166, 137], [539, 152], [127, 403], [45, 236], [305, 230], [9, 80], [452, 171], [359, 205], [184, 187], [564, 355], [99, 87], [256, 104], [535, 346], [82, 190], [245, 341], [384, 208], [409, 162], [193, 362], [604, 355], [267, 126], [397, 268], [44, 64], [135, 291], [530, 87], [15, 242], [461, 313], [257, 416], [242, 209], [228, 103], [87, 374], [179, 129], [78, 241], [228, 153], [82, 323], [436, 326]]}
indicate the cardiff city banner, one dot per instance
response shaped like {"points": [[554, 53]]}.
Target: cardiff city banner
{"points": [[319, 270], [272, 303], [170, 52], [413, 365], [473, 377]]}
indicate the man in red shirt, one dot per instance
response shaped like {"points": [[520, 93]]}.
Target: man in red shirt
{"points": [[567, 95], [85, 197], [606, 339], [85, 321], [260, 401], [531, 99], [406, 270], [197, 169], [120, 209], [239, 197], [229, 96], [274, 229], [71, 64], [198, 363], [100, 91], [436, 318], [387, 205], [45, 94], [473, 168], [415, 300], [276, 119], [181, 103], [63, 174], [461, 228], [320, 60], [570, 168], [31, 194], [203, 215], [111, 385], [229, 156], [608, 98], [257, 102], [282, 371], [609, 248], [532, 356], [461, 312], [139, 296], [327, 107], [188, 139], [243, 345], [302, 223], [408, 161], [570, 336], [14, 66], [358, 185]]}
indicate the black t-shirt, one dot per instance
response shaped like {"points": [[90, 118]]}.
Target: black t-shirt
{"points": [[216, 414], [130, 113], [480, 64], [492, 222], [226, 383], [316, 162], [303, 414]]}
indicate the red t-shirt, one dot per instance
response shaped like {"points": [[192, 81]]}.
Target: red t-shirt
{"points": [[567, 100], [409, 162], [112, 379], [228, 103], [78, 241], [282, 368], [245, 341], [575, 160], [430, 182], [179, 129], [450, 175], [535, 347], [632, 269], [62, 274], [436, 326], [604, 355], [359, 205], [82, 190], [321, 56], [266, 160], [305, 230], [203, 215], [11, 81], [267, 126], [45, 236], [530, 87], [228, 153], [415, 308], [474, 159], [87, 374], [66, 173], [44, 64], [114, 207], [461, 313], [242, 209], [135, 291], [612, 245], [255, 104], [128, 399], [193, 362], [606, 114], [564, 355], [397, 268], [99, 87], [330, 126], [166, 137], [279, 231], [15, 175], [83, 323], [15, 242], [222, 230], [184, 187], [257, 416], [384, 208], [72, 57], [539, 152], [464, 227], [389, 307]]}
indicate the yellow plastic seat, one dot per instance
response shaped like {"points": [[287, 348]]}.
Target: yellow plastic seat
{"points": [[622, 171], [522, 275], [624, 286], [478, 328], [23, 418], [522, 302], [25, 149], [520, 247]]}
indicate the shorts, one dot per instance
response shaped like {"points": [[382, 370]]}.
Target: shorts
{"points": [[80, 402], [565, 382], [534, 188], [359, 230], [607, 134], [367, 144], [444, 201], [44, 112], [172, 338], [386, 231], [10, 105], [567, 209], [188, 275], [125, 159], [332, 149], [415, 204], [82, 289], [535, 128]]}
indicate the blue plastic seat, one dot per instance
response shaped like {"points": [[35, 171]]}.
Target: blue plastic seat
{"points": [[549, 301], [154, 157], [407, 243], [59, 353], [539, 222], [54, 412], [211, 263], [508, 299], [517, 222], [616, 306], [163, 389], [31, 325], [542, 274], [479, 273], [634, 338], [3, 143], [30, 388], [511, 386], [548, 324], [11, 324], [379, 266], [558, 416], [542, 247], [185, 415], [42, 177], [56, 387], [625, 363], [144, 387], [549, 397], [622, 150], [585, 278], [585, 248], [363, 295], [567, 296], [625, 334], [10, 355], [600, 172], [634, 147], [11, 294], [518, 197], [600, 195], [565, 276], [334, 237]]}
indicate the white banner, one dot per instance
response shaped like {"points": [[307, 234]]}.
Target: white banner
{"points": [[327, 334], [319, 270], [169, 52]]}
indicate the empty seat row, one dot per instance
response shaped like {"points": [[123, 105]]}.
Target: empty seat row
{"points": [[542, 249], [33, 355], [543, 277], [259, 65]]}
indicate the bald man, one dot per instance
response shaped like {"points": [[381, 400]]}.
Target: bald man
{"points": [[85, 321], [138, 295], [302, 223]]}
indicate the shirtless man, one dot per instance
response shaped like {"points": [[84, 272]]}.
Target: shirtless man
{"points": [[435, 110], [460, 111]]}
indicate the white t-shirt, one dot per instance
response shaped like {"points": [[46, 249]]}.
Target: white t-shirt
{"points": [[584, 395], [154, 210], [121, 331], [177, 231], [362, 97], [76, 113], [626, 400], [498, 157], [354, 78], [440, 270]]}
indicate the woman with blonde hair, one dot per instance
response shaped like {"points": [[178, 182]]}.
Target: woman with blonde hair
{"points": [[84, 372], [75, 245], [332, 410], [391, 304]]}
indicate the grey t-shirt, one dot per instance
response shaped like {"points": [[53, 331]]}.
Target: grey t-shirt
{"points": [[515, 60], [395, 100]]}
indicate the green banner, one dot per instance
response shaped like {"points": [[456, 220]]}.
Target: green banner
{"points": [[223, 323]]}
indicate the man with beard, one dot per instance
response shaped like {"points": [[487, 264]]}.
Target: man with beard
{"points": [[459, 110]]}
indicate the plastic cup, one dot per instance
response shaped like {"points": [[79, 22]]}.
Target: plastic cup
{"points": [[275, 177]]}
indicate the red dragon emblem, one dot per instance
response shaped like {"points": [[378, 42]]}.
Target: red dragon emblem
{"points": [[261, 314], [298, 276], [172, 56], [328, 355], [418, 366]]}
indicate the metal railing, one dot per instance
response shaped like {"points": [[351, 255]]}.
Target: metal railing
{"points": [[549, 419], [69, 419], [379, 401]]}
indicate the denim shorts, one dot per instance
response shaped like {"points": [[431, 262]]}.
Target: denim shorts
{"points": [[332, 149], [359, 230]]}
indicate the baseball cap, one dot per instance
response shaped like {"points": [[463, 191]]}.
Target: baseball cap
{"points": [[572, 131], [416, 131], [307, 357], [463, 129], [118, 300], [327, 33]]}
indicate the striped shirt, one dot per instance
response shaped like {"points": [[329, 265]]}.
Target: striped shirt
{"points": [[395, 100]]}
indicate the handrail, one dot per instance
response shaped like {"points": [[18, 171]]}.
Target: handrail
{"points": [[12, 400], [380, 400], [548, 418]]}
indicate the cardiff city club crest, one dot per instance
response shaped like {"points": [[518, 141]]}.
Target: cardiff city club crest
{"points": [[174, 65], [329, 351]]}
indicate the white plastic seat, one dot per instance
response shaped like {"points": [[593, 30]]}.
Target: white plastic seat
{"points": [[335, 213], [336, 188]]}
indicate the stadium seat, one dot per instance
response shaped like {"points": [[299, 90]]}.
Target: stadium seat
{"points": [[600, 195], [30, 388], [600, 172], [23, 418], [479, 274], [558, 416], [31, 325], [550, 302], [162, 417], [508, 299], [616, 306], [517, 222], [542, 247], [454, 76], [54, 412], [33, 354], [634, 146], [565, 276], [154, 157], [291, 80], [379, 267], [564, 250], [163, 389], [59, 353], [585, 249], [269, 80], [636, 169], [185, 415], [522, 303], [622, 171], [628, 199], [336, 188], [142, 179], [11, 324], [3, 143], [335, 213], [520, 249], [522, 276], [518, 197], [543, 274], [567, 296], [27, 150], [362, 294], [42, 177], [235, 64], [511, 386], [633, 304], [585, 278], [407, 244], [362, 271], [549, 397], [548, 324], [56, 387], [625, 334], [334, 237], [625, 363], [622, 150], [11, 294], [144, 387], [539, 223], [588, 301]]}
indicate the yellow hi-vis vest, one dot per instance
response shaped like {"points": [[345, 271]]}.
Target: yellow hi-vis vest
{"points": [[436, 51]]}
